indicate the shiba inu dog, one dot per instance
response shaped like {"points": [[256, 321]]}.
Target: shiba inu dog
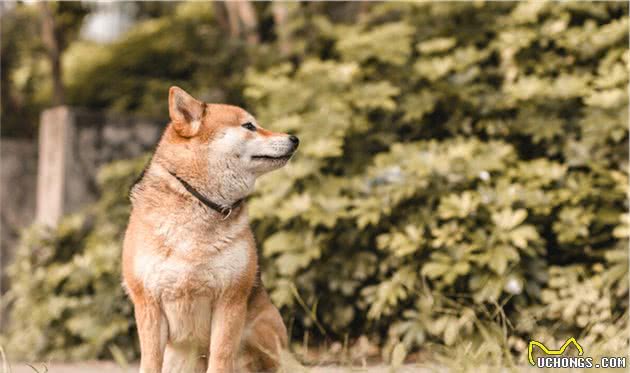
{"points": [[189, 258]]}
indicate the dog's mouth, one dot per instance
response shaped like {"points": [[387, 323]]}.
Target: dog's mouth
{"points": [[273, 158]]}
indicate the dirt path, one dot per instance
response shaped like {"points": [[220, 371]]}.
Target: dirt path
{"points": [[111, 367]]}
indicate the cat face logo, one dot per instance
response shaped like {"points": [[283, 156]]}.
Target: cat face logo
{"points": [[552, 352]]}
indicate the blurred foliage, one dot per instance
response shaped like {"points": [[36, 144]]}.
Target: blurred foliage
{"points": [[132, 75], [462, 173], [25, 73], [173, 44]]}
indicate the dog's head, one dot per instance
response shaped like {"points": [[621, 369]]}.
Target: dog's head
{"points": [[220, 144]]}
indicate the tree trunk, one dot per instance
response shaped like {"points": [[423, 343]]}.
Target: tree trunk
{"points": [[242, 20], [232, 13], [280, 15], [222, 16], [50, 37], [247, 16]]}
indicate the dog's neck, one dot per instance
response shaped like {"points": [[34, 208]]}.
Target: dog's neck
{"points": [[224, 210], [226, 184], [225, 189]]}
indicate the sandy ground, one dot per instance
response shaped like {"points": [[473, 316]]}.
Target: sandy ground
{"points": [[110, 367]]}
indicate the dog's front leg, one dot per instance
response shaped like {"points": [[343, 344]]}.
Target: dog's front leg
{"points": [[153, 333], [228, 320]]}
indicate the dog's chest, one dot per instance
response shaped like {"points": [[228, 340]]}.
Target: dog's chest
{"points": [[194, 270]]}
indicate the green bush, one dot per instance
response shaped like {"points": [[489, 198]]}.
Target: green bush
{"points": [[462, 173], [456, 158], [66, 299]]}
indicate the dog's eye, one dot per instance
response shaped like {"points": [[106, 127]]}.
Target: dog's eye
{"points": [[248, 126]]}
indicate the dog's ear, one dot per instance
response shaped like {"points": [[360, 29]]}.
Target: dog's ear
{"points": [[186, 112]]}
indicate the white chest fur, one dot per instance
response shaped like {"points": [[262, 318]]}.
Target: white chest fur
{"points": [[190, 261]]}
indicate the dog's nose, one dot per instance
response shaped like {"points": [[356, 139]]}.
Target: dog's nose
{"points": [[294, 140]]}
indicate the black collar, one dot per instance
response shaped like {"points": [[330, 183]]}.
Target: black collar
{"points": [[225, 211]]}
